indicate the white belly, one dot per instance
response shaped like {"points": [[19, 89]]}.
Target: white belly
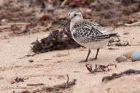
{"points": [[95, 45], [91, 45]]}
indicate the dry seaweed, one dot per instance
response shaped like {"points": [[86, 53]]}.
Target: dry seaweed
{"points": [[18, 80], [68, 84], [115, 75], [56, 40], [99, 68], [56, 87]]}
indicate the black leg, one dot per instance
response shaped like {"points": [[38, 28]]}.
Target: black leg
{"points": [[97, 53], [89, 51]]}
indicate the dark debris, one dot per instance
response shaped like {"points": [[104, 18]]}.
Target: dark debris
{"points": [[125, 73], [99, 68], [17, 80], [56, 40], [56, 88]]}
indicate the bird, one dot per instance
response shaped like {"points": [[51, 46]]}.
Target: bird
{"points": [[88, 34]]}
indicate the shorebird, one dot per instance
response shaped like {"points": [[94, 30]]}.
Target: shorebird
{"points": [[88, 34]]}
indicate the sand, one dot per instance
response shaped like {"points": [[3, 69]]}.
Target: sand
{"points": [[51, 68]]}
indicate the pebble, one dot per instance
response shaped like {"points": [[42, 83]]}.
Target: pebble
{"points": [[136, 55], [31, 60], [4, 21], [121, 59]]}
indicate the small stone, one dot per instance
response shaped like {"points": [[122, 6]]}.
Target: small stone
{"points": [[31, 60], [4, 21], [136, 55], [121, 59], [126, 33], [50, 78]]}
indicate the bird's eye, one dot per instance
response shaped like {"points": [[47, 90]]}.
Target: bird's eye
{"points": [[75, 14]]}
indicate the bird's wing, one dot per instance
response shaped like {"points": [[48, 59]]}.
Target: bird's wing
{"points": [[97, 31], [96, 27], [89, 31], [92, 28], [106, 33], [102, 29]]}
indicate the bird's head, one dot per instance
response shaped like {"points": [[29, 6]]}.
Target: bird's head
{"points": [[75, 14]]}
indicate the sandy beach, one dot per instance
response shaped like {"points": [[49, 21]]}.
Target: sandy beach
{"points": [[51, 68]]}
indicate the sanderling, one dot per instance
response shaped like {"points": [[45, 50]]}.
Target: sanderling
{"points": [[88, 34]]}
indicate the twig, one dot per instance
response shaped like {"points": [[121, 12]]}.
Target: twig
{"points": [[28, 55], [38, 84], [89, 68]]}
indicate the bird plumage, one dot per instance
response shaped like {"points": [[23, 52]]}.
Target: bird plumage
{"points": [[85, 32], [88, 34]]}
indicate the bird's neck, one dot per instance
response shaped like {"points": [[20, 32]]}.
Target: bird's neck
{"points": [[73, 21]]}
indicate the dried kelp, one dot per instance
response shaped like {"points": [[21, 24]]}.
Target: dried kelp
{"points": [[56, 40], [68, 84], [99, 68], [125, 73]]}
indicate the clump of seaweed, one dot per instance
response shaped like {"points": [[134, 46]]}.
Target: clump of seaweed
{"points": [[57, 40]]}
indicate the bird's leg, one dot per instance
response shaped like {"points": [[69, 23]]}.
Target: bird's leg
{"points": [[89, 51], [96, 55]]}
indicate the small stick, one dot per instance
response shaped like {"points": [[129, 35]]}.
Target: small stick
{"points": [[39, 84], [28, 55]]}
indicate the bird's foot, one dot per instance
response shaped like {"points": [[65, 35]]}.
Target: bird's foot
{"points": [[91, 59], [83, 61]]}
